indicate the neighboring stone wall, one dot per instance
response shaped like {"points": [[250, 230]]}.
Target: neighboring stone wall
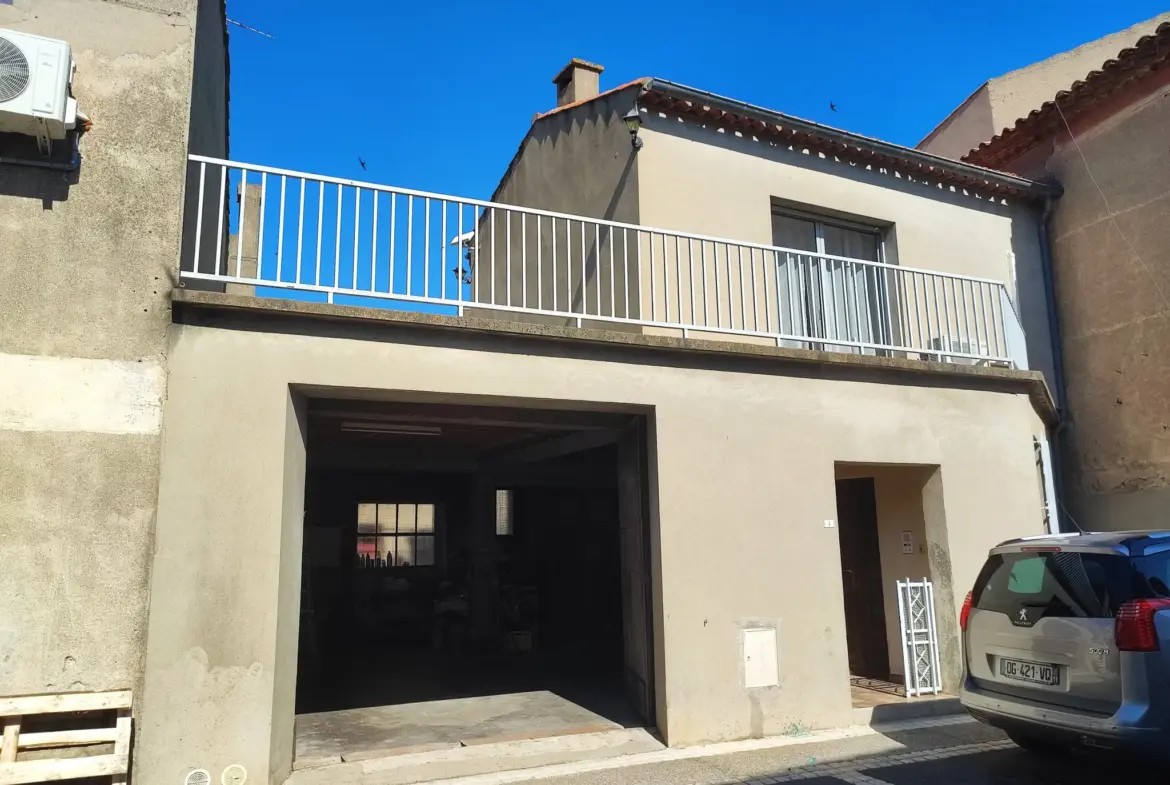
{"points": [[1112, 277], [86, 270]]}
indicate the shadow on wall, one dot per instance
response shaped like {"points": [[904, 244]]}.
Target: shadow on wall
{"points": [[26, 174], [1029, 290], [578, 161]]}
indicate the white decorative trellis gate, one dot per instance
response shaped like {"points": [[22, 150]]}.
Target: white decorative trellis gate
{"points": [[919, 638]]}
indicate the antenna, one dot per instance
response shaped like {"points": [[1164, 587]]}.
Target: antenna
{"points": [[251, 29]]}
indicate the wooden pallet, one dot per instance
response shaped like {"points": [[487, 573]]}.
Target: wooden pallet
{"points": [[114, 765]]}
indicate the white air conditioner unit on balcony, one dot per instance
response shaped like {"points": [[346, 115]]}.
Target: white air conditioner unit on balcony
{"points": [[948, 347], [35, 77]]}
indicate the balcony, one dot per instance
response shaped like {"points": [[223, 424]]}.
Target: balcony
{"points": [[279, 233]]}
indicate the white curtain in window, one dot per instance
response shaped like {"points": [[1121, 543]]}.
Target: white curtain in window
{"points": [[794, 280], [827, 298], [851, 290]]}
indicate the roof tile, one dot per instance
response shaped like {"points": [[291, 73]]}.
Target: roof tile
{"points": [[1147, 55]]}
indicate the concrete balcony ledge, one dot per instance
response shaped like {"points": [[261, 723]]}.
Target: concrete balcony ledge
{"points": [[190, 303]]}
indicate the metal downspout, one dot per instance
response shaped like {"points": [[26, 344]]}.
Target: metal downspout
{"points": [[1054, 337]]}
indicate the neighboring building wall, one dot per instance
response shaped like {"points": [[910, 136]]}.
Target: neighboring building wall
{"points": [[1018, 92], [708, 182], [763, 442], [1111, 260], [207, 135], [1001, 101], [580, 161], [964, 128], [86, 271]]}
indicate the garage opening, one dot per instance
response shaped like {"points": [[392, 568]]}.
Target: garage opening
{"points": [[471, 574]]}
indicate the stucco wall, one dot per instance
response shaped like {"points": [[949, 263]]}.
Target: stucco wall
{"points": [[1112, 278], [765, 444], [85, 276], [697, 179], [964, 128], [208, 135], [576, 161]]}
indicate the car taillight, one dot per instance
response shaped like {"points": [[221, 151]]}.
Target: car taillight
{"points": [[1134, 629], [963, 614]]}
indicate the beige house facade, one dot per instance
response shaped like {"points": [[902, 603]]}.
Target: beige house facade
{"points": [[638, 448], [1099, 133], [723, 174], [814, 416]]}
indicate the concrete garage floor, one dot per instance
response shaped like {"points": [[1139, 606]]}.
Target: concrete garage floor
{"points": [[357, 734]]}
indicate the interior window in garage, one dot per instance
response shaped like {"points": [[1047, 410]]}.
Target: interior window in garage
{"points": [[396, 535]]}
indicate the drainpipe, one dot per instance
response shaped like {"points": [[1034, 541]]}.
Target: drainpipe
{"points": [[1050, 302], [1053, 455]]}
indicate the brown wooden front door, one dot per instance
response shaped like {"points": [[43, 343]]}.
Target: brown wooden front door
{"points": [[861, 577]]}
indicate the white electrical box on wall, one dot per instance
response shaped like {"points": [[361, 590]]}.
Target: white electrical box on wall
{"points": [[35, 78], [760, 664]]}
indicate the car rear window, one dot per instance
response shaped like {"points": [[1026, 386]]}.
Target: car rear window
{"points": [[1069, 583]]}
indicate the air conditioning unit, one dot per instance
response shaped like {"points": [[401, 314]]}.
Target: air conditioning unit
{"points": [[947, 347], [35, 78]]}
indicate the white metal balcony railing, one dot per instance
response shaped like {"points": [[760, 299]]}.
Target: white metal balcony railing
{"points": [[292, 234]]}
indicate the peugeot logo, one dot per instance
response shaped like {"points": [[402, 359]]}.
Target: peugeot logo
{"points": [[1023, 614]]}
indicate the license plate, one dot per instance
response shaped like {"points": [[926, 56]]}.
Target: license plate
{"points": [[1034, 672]]}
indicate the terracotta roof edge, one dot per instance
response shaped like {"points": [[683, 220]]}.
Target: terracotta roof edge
{"points": [[907, 155], [602, 94], [1000, 142]]}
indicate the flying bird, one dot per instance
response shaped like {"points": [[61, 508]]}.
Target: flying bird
{"points": [[363, 163], [832, 106]]}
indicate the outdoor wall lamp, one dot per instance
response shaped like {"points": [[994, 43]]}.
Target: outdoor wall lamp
{"points": [[633, 121]]}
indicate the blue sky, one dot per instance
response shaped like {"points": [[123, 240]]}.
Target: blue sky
{"points": [[437, 95]]}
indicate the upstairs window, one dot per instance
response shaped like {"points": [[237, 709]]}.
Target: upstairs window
{"points": [[825, 236], [826, 289]]}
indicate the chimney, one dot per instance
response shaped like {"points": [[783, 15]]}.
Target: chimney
{"points": [[578, 81]]}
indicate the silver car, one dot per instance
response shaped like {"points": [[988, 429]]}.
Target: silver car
{"points": [[1066, 642]]}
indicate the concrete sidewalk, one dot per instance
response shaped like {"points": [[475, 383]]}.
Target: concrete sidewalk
{"points": [[944, 751], [713, 764]]}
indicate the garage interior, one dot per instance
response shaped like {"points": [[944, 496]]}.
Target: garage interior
{"points": [[471, 574]]}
